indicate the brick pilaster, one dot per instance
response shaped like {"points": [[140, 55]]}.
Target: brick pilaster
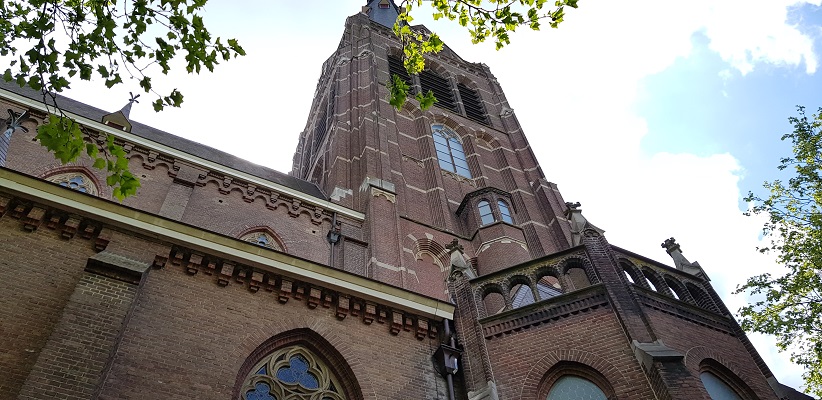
{"points": [[76, 356]]}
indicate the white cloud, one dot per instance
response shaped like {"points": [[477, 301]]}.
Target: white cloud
{"points": [[574, 91]]}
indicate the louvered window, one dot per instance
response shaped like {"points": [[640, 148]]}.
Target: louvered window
{"points": [[440, 87], [395, 67], [473, 104], [320, 127]]}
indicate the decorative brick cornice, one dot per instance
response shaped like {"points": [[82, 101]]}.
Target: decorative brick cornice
{"points": [[33, 216], [285, 289], [553, 309], [684, 311]]}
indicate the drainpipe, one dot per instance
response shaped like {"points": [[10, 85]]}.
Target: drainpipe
{"points": [[449, 378], [446, 359]]}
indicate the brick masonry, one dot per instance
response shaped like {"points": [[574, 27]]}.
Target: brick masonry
{"points": [[197, 321]]}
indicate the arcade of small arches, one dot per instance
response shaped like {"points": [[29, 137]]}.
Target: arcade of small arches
{"points": [[521, 289], [667, 285]]}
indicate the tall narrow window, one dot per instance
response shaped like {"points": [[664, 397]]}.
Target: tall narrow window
{"points": [[486, 215], [449, 151], [441, 88], [396, 67], [472, 104], [291, 373], [504, 213]]}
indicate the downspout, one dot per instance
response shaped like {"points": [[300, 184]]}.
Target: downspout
{"points": [[449, 378]]}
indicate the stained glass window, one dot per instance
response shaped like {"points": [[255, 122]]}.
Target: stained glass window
{"points": [[486, 215], [449, 151], [717, 389], [292, 373], [74, 181], [504, 212], [571, 387]]}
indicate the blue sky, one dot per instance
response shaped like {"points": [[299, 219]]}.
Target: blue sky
{"points": [[657, 115]]}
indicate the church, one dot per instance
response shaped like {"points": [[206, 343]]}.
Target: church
{"points": [[407, 255]]}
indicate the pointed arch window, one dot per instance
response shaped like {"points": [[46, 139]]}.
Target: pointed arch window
{"points": [[450, 154], [74, 181], [292, 373], [504, 212]]}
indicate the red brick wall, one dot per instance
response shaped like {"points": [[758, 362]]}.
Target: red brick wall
{"points": [[38, 273], [187, 336], [594, 338], [697, 342]]}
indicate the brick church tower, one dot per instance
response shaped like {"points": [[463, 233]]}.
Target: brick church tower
{"points": [[408, 255]]}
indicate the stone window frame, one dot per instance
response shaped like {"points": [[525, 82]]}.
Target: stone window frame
{"points": [[64, 178], [453, 143], [252, 236], [267, 372], [323, 352]]}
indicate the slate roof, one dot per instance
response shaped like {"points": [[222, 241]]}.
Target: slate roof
{"points": [[184, 145]]}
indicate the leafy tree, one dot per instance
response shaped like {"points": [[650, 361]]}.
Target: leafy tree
{"points": [[484, 19], [52, 41], [789, 306]]}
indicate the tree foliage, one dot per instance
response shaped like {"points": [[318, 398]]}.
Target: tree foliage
{"points": [[789, 306], [52, 41], [484, 19]]}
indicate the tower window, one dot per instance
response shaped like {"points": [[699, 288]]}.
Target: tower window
{"points": [[441, 88], [472, 103], [486, 215], [396, 67], [449, 151], [504, 213]]}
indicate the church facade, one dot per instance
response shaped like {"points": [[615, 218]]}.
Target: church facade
{"points": [[407, 255]]}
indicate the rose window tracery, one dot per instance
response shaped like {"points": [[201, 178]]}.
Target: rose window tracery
{"points": [[292, 373], [74, 181]]}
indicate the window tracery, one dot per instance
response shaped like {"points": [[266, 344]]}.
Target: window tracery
{"points": [[74, 181], [449, 150], [291, 373], [262, 239]]}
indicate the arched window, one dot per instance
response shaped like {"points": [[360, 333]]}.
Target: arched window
{"points": [[486, 215], [449, 151], [262, 239], [572, 387], [548, 286], [717, 389], [504, 213], [74, 181], [291, 373]]}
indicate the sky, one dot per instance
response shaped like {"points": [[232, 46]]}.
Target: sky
{"points": [[657, 115]]}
